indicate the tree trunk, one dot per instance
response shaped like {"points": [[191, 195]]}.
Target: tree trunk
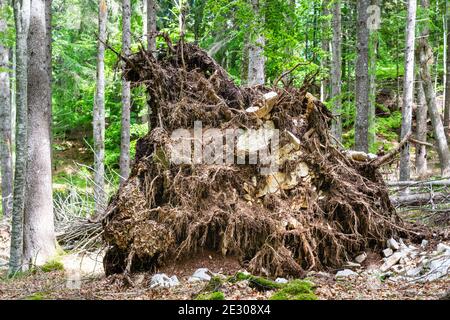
{"points": [[22, 22], [362, 79], [151, 26], [151, 45], [99, 115], [408, 85], [336, 72], [324, 85], [373, 78], [447, 79], [421, 131], [5, 123], [426, 61], [39, 233], [126, 97], [256, 58]]}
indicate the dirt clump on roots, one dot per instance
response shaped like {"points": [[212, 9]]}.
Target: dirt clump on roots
{"points": [[317, 211]]}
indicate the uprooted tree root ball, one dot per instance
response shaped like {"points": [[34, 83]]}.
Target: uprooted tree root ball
{"points": [[318, 211]]}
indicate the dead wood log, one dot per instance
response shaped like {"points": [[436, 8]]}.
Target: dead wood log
{"points": [[420, 198], [444, 182], [391, 154]]}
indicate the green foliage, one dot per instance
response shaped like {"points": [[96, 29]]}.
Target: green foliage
{"points": [[216, 295], [259, 283], [52, 265], [295, 290], [37, 296]]}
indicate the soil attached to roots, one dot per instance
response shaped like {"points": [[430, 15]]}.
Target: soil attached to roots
{"points": [[318, 211]]}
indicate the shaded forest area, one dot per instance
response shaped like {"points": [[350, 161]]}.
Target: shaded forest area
{"points": [[333, 117]]}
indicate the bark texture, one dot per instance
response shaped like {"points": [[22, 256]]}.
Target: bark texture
{"points": [[362, 79], [256, 58], [99, 115], [426, 61], [5, 123], [22, 22], [408, 89], [126, 96], [39, 233], [336, 71], [421, 131]]}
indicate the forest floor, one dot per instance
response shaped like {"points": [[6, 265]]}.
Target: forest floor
{"points": [[55, 284]]}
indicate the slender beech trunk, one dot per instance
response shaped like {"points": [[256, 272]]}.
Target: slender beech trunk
{"points": [[22, 22], [362, 79], [336, 71], [151, 25], [99, 115], [426, 61], [408, 85], [5, 123], [421, 131], [151, 46], [447, 78], [39, 232], [126, 96], [256, 58], [372, 81], [325, 63]]}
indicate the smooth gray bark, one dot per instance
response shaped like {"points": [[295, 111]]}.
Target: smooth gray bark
{"points": [[426, 61], [22, 22], [5, 123], [421, 131], [325, 62], [336, 71], [99, 115], [39, 232], [256, 58], [126, 97], [374, 40], [362, 79], [447, 78], [151, 25], [408, 89], [151, 46]]}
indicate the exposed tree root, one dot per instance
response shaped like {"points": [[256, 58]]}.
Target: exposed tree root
{"points": [[336, 209]]}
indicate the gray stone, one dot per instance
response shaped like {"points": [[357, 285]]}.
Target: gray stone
{"points": [[391, 261], [414, 272], [350, 264], [424, 243], [393, 244], [162, 280], [281, 280], [346, 273], [388, 252], [203, 274], [360, 258], [441, 247]]}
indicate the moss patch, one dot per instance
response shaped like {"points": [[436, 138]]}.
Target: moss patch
{"points": [[36, 296], [52, 265], [216, 295], [259, 283], [295, 290]]}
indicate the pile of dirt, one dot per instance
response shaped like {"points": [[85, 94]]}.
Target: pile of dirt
{"points": [[319, 209]]}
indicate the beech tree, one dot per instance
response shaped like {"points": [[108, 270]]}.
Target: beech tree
{"points": [[426, 60], [256, 59], [408, 85], [126, 95], [6, 164], [362, 79], [99, 114], [22, 23]]}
